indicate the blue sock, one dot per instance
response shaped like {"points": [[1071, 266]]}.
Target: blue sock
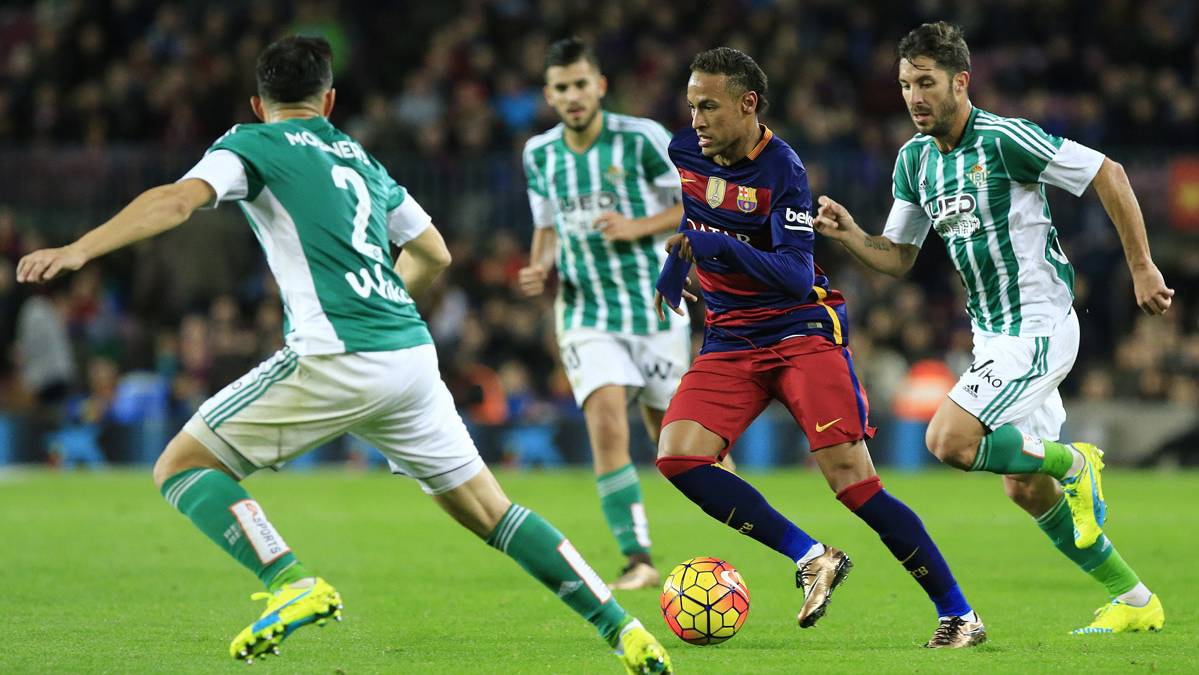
{"points": [[904, 535], [732, 501]]}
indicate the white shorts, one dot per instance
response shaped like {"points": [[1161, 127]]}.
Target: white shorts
{"points": [[1014, 380], [392, 400], [654, 363]]}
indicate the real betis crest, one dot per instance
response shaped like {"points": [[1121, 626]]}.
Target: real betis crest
{"points": [[715, 193], [978, 175]]}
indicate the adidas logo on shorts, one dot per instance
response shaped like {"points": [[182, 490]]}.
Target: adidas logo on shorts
{"points": [[972, 389]]}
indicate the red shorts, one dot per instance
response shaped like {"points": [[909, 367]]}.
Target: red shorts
{"points": [[812, 377]]}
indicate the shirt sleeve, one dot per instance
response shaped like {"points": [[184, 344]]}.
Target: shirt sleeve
{"points": [[907, 224], [1073, 167], [789, 267], [655, 158], [224, 172], [407, 221], [902, 186], [539, 195]]}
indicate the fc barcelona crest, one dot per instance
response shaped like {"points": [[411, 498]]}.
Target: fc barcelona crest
{"points": [[715, 193], [747, 198]]}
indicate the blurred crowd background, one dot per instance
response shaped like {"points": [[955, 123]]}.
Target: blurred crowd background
{"points": [[100, 99]]}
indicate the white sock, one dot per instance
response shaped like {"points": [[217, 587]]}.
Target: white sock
{"points": [[815, 551], [1137, 597], [1075, 465], [306, 582], [968, 617]]}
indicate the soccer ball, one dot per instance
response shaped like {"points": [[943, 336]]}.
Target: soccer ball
{"points": [[704, 601]]}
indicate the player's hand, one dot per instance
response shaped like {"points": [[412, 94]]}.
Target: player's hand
{"points": [[531, 279], [617, 227], [45, 264], [833, 220], [1153, 296], [678, 245], [659, 301]]}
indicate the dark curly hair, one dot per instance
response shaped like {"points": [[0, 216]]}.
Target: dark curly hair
{"points": [[742, 72], [942, 42]]}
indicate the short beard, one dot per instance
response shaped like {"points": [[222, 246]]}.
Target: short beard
{"points": [[943, 119], [586, 122]]}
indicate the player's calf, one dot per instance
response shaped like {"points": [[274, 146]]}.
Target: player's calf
{"points": [[905, 536]]}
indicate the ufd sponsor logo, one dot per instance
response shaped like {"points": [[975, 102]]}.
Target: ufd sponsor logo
{"points": [[267, 543], [953, 215], [578, 213]]}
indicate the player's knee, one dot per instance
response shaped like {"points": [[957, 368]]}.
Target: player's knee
{"points": [[607, 436], [181, 454], [949, 448]]}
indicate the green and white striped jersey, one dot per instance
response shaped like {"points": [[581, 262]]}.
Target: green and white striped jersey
{"points": [[986, 198], [323, 211], [604, 285]]}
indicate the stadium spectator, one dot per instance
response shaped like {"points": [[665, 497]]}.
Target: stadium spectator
{"points": [[99, 98]]}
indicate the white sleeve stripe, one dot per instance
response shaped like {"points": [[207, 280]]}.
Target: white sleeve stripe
{"points": [[1027, 133], [1014, 130], [1036, 134], [1036, 153], [654, 133], [1036, 149]]}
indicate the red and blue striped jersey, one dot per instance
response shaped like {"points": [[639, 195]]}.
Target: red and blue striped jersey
{"points": [[750, 228]]}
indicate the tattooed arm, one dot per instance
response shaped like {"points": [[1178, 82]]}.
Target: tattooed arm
{"points": [[875, 251]]}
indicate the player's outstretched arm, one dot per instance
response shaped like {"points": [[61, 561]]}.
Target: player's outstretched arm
{"points": [[422, 259], [531, 277], [875, 251], [1120, 202], [618, 227], [152, 212]]}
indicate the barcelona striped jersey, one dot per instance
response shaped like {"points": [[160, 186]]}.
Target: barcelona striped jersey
{"points": [[750, 228]]}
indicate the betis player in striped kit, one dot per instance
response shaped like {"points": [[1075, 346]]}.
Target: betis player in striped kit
{"points": [[602, 189], [359, 358], [979, 180]]}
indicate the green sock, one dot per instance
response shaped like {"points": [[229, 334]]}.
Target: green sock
{"points": [[1004, 451], [224, 511], [620, 499], [1100, 560], [551, 559]]}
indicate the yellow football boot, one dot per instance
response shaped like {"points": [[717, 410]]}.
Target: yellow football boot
{"points": [[640, 652], [286, 610], [1084, 496], [1117, 617]]}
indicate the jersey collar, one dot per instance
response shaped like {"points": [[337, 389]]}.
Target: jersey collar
{"points": [[603, 135], [767, 134], [967, 132]]}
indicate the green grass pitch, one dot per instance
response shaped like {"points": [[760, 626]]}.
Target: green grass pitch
{"points": [[101, 576]]}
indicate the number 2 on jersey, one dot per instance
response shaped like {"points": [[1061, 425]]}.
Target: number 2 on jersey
{"points": [[344, 177]]}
